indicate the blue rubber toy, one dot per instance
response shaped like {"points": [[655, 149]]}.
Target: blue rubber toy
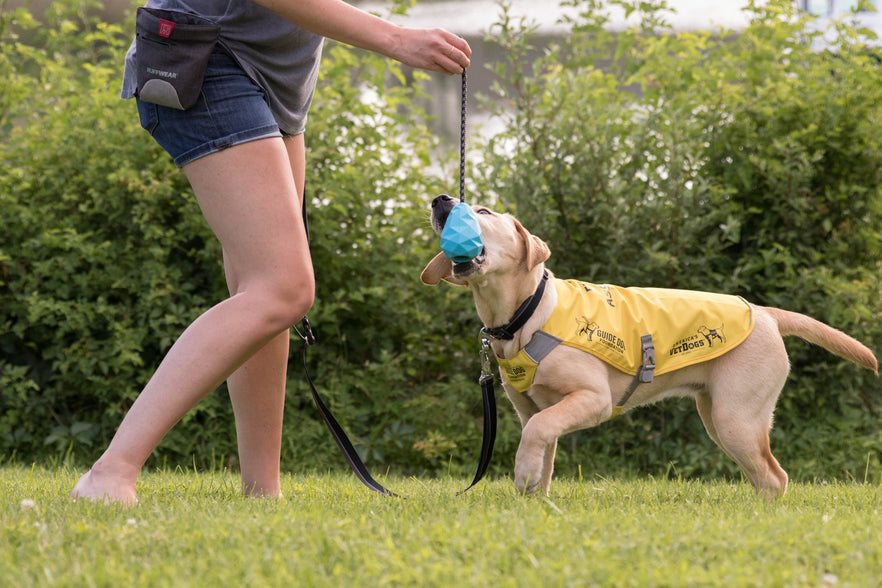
{"points": [[461, 237]]}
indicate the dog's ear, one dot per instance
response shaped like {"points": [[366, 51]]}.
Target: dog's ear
{"points": [[440, 268], [536, 249]]}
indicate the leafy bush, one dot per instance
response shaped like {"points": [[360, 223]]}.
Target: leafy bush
{"points": [[741, 163], [745, 163], [105, 256]]}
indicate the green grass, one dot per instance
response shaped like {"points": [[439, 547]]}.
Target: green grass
{"points": [[196, 530]]}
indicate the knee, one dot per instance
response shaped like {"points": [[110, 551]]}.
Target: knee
{"points": [[293, 301], [283, 303]]}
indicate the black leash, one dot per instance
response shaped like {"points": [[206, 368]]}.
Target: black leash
{"points": [[488, 394], [486, 380], [337, 432], [489, 397]]}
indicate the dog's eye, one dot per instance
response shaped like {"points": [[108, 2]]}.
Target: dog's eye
{"points": [[483, 211]]}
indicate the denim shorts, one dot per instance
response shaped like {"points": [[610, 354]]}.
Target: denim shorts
{"points": [[231, 110]]}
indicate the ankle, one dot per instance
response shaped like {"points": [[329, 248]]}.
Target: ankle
{"points": [[107, 484], [108, 467]]}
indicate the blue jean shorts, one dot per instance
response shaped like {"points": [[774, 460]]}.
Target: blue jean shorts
{"points": [[231, 110]]}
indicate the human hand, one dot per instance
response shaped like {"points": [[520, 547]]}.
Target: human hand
{"points": [[431, 49]]}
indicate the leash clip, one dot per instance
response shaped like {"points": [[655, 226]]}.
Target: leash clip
{"points": [[307, 334], [486, 370]]}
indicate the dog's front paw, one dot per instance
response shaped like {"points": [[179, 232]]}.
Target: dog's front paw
{"points": [[526, 484], [528, 470]]}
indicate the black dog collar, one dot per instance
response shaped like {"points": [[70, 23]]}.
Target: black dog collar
{"points": [[522, 314]]}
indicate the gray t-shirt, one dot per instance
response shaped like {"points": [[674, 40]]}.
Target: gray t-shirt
{"points": [[280, 57]]}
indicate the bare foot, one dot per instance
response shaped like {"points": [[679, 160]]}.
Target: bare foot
{"points": [[101, 484], [277, 495], [255, 490]]}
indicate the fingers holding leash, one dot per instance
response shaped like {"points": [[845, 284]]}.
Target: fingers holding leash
{"points": [[433, 50]]}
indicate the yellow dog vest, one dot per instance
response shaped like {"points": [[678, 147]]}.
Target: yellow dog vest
{"points": [[609, 322]]}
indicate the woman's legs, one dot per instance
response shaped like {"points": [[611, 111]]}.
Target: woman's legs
{"points": [[249, 198], [257, 389]]}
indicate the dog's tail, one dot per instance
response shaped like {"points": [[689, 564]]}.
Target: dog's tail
{"points": [[816, 332]]}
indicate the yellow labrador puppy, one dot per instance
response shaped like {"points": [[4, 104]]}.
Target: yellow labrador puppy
{"points": [[573, 355]]}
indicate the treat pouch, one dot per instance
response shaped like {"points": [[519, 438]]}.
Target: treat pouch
{"points": [[172, 50]]}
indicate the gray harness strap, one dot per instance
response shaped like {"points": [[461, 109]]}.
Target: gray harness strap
{"points": [[645, 372], [543, 343]]}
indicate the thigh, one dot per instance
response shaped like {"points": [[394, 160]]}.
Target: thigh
{"points": [[242, 172], [249, 198]]}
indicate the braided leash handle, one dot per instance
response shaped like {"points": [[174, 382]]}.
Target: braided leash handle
{"points": [[462, 138]]}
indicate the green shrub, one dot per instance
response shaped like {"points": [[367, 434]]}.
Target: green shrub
{"points": [[739, 163], [105, 257]]}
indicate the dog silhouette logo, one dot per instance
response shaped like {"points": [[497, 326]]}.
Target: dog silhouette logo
{"points": [[712, 335], [587, 327]]}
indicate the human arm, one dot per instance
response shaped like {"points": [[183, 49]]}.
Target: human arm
{"points": [[431, 49]]}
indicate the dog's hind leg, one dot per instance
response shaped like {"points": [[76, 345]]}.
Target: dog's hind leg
{"points": [[704, 405], [741, 429], [750, 450], [741, 394]]}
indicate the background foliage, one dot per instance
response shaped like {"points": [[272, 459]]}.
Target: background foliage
{"points": [[740, 163]]}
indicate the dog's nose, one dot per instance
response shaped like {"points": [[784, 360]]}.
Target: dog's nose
{"points": [[440, 199]]}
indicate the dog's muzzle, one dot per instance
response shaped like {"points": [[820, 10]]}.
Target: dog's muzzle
{"points": [[464, 270], [441, 207]]}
